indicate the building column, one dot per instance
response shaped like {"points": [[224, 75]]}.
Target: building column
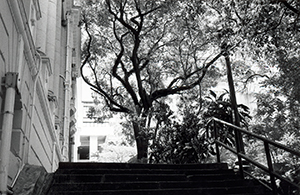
{"points": [[93, 145], [7, 127]]}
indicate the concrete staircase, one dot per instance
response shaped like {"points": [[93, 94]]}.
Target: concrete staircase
{"points": [[150, 179]]}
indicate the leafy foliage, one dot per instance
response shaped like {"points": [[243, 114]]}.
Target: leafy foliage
{"points": [[287, 79], [188, 142], [98, 112], [113, 152], [139, 52], [181, 143], [275, 116], [221, 108]]}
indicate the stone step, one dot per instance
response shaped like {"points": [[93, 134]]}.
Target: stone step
{"points": [[174, 191], [86, 178], [212, 177], [88, 165], [149, 185], [142, 171], [70, 178]]}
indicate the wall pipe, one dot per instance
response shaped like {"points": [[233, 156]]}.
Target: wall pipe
{"points": [[7, 127], [23, 29], [67, 86], [53, 156]]}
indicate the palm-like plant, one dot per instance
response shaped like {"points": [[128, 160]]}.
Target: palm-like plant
{"points": [[220, 107]]}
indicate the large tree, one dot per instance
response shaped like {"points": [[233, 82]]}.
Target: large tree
{"points": [[140, 51]]}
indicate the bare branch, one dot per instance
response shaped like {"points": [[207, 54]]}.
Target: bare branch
{"points": [[140, 14], [113, 106]]}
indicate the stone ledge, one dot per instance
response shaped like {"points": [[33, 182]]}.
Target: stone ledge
{"points": [[33, 180]]}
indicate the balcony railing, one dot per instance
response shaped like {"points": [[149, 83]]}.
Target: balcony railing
{"points": [[218, 126]]}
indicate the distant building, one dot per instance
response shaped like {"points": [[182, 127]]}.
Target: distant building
{"points": [[90, 136], [39, 62]]}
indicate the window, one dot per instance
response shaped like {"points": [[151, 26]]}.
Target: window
{"points": [[84, 148], [83, 152]]}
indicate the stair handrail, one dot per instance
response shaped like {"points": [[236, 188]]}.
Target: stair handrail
{"points": [[242, 156]]}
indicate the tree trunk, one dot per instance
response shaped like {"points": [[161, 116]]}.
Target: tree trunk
{"points": [[141, 141]]}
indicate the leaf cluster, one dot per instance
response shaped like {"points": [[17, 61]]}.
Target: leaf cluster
{"points": [[221, 108], [275, 116], [181, 143]]}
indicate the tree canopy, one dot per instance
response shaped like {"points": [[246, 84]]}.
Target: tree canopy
{"points": [[138, 52]]}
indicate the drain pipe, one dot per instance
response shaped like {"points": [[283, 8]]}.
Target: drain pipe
{"points": [[53, 156], [67, 86], [7, 126]]}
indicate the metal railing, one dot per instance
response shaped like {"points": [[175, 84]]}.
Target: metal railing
{"points": [[240, 153]]}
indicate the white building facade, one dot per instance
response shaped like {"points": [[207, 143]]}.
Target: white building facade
{"points": [[39, 63]]}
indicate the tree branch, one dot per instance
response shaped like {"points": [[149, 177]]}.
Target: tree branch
{"points": [[136, 63], [289, 6], [169, 91], [151, 51], [96, 87], [255, 75], [120, 19], [118, 61]]}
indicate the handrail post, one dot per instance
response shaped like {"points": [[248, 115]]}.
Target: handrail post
{"points": [[237, 120], [238, 149], [270, 166], [217, 145], [238, 135]]}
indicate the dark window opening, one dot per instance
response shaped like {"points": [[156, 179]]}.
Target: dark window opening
{"points": [[84, 152]]}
